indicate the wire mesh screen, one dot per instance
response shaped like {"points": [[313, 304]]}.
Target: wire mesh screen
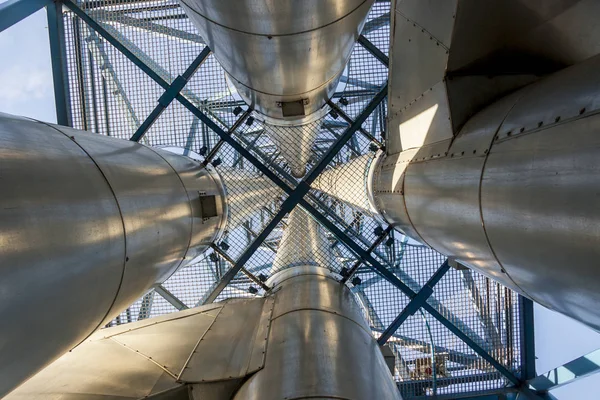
{"points": [[110, 95]]}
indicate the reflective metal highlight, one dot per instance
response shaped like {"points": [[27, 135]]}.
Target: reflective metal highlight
{"points": [[87, 225], [514, 195], [284, 57], [319, 344]]}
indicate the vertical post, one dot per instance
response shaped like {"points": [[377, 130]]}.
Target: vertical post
{"points": [[527, 338], [58, 54]]}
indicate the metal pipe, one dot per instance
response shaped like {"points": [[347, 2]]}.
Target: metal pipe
{"points": [[319, 345], [515, 194], [303, 48], [348, 183], [87, 225], [303, 243]]}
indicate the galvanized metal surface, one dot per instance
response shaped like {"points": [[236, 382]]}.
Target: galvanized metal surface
{"points": [[210, 347], [247, 193], [344, 182], [97, 219], [303, 47], [234, 346], [302, 243], [319, 346], [515, 197], [154, 32]]}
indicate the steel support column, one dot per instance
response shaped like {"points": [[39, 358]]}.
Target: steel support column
{"points": [[296, 196], [58, 55], [526, 326]]}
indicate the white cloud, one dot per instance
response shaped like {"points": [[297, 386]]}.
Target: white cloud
{"points": [[20, 83]]}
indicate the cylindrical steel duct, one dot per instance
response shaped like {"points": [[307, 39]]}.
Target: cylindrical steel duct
{"points": [[302, 243], [515, 195], [87, 225], [350, 182], [285, 57], [247, 192], [319, 345]]}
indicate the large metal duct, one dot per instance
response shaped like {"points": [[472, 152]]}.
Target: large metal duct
{"points": [[515, 194], [247, 192], [302, 243], [306, 339], [349, 182], [319, 345], [285, 57], [87, 225]]}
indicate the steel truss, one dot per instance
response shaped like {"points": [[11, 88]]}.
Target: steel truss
{"points": [[13, 11]]}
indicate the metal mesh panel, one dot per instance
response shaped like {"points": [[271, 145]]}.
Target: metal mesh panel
{"points": [[112, 96]]}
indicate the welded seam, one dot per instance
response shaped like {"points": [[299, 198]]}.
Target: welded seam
{"points": [[335, 76], [203, 311], [321, 310], [112, 304], [163, 367], [178, 378], [269, 35], [489, 151], [425, 31], [189, 205]]}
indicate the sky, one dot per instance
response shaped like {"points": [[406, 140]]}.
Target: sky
{"points": [[27, 89]]}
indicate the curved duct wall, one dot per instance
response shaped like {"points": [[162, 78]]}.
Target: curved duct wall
{"points": [[319, 344], [87, 225], [515, 194], [303, 243], [285, 57], [350, 182]]}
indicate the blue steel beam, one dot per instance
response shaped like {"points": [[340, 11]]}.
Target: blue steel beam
{"points": [[213, 152], [526, 326], [376, 23], [295, 195], [13, 11], [376, 243], [567, 373], [371, 48], [414, 304], [369, 260], [58, 57], [170, 94], [170, 297]]}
